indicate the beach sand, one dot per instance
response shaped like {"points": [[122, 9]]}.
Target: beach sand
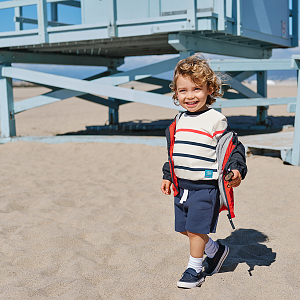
{"points": [[88, 220]]}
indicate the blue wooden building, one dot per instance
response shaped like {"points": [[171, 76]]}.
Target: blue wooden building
{"points": [[110, 30]]}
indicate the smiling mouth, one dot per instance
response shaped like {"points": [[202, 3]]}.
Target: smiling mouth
{"points": [[191, 103]]}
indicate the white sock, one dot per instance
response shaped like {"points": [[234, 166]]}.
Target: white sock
{"points": [[211, 248], [195, 263]]}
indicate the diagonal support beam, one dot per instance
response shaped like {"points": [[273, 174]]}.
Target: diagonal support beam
{"points": [[115, 79], [57, 95], [103, 101], [85, 87], [242, 89], [140, 73], [242, 75], [156, 81], [165, 84], [46, 99], [230, 95]]}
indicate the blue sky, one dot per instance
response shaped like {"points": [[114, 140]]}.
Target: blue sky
{"points": [[66, 14], [71, 15]]}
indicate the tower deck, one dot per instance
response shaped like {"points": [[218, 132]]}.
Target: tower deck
{"points": [[117, 28]]}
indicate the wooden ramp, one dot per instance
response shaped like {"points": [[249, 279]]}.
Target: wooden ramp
{"points": [[275, 144]]}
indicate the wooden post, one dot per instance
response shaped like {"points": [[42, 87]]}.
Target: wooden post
{"points": [[112, 27], [8, 127], [191, 14], [42, 21], [113, 114], [262, 111], [54, 15], [185, 54], [18, 13], [296, 142]]}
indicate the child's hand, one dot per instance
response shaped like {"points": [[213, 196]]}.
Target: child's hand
{"points": [[235, 180], [166, 187]]}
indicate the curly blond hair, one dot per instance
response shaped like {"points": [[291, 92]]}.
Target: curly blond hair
{"points": [[196, 67]]}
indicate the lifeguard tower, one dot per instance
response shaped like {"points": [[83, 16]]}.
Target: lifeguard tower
{"points": [[113, 29]]}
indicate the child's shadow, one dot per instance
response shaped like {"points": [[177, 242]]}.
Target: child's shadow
{"points": [[244, 247]]}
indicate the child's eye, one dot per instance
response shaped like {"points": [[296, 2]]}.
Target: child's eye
{"points": [[197, 89], [181, 91]]}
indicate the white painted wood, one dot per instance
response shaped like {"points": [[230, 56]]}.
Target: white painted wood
{"points": [[42, 21], [8, 128], [89, 87], [296, 142]]}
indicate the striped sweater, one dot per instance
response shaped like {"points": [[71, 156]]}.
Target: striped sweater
{"points": [[196, 138]]}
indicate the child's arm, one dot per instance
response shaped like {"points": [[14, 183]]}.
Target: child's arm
{"points": [[166, 182], [166, 186]]}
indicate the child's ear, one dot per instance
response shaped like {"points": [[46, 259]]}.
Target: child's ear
{"points": [[210, 90]]}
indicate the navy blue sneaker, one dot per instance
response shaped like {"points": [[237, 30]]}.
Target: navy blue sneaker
{"points": [[215, 263], [190, 278]]}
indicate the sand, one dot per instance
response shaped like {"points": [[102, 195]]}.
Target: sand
{"points": [[88, 220]]}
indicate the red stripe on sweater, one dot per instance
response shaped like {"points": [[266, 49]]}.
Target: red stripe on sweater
{"points": [[195, 131], [218, 132]]}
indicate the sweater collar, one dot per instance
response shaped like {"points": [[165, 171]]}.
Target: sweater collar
{"points": [[196, 113]]}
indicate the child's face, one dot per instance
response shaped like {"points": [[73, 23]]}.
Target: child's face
{"points": [[191, 96]]}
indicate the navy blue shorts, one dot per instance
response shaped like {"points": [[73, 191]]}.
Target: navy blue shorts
{"points": [[199, 213]]}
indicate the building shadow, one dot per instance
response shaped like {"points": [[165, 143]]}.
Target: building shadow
{"points": [[131, 128], [243, 125], [246, 246], [246, 125]]}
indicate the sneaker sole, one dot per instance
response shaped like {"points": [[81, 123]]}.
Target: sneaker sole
{"points": [[219, 265], [190, 285]]}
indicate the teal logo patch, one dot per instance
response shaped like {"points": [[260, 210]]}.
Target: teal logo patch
{"points": [[209, 173]]}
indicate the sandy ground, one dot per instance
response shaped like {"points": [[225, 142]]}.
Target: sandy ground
{"points": [[88, 220]]}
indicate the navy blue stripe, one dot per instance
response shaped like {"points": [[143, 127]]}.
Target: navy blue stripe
{"points": [[194, 156], [194, 169], [195, 144]]}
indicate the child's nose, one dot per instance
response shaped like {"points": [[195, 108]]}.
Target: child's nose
{"points": [[190, 95]]}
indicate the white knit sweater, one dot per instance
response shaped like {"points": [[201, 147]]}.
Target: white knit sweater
{"points": [[196, 138]]}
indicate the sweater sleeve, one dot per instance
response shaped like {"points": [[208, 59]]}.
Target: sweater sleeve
{"points": [[238, 160], [166, 171], [219, 128]]}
